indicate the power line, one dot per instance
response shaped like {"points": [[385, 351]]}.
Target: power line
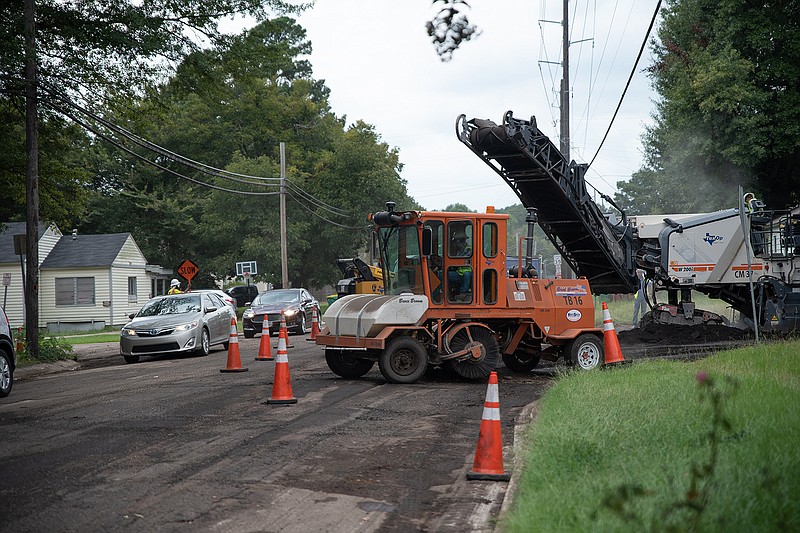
{"points": [[89, 127], [628, 83], [201, 167]]}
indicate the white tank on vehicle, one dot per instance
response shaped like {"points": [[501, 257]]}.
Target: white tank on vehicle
{"points": [[366, 315]]}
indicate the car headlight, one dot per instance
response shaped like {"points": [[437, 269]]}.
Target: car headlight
{"points": [[187, 327], [249, 313], [128, 332], [291, 312]]}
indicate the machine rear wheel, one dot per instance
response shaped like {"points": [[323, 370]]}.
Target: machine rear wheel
{"points": [[523, 363], [586, 351], [404, 360], [345, 366], [481, 367]]}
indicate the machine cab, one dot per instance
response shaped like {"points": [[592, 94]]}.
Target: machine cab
{"points": [[454, 259]]}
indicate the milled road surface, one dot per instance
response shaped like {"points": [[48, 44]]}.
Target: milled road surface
{"points": [[171, 444]]}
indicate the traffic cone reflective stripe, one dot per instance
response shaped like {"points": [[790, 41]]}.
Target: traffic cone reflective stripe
{"points": [[488, 463], [611, 348], [264, 349], [282, 384], [234, 359], [314, 325]]}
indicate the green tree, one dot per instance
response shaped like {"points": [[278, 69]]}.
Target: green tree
{"points": [[63, 166], [70, 50], [729, 112], [518, 228], [230, 107], [458, 208]]}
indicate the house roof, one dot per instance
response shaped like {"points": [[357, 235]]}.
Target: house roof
{"points": [[7, 232], [86, 251]]}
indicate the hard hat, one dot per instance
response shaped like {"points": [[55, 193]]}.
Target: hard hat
{"points": [[749, 196], [174, 283]]}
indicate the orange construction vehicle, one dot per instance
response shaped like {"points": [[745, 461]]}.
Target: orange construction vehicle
{"points": [[449, 300]]}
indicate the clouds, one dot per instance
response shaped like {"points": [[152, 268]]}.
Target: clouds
{"points": [[377, 59]]}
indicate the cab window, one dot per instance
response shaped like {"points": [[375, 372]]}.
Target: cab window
{"points": [[490, 239]]}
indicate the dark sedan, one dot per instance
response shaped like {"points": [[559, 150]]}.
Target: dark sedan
{"points": [[297, 306]]}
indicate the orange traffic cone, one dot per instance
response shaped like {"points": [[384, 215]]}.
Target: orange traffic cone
{"points": [[284, 331], [611, 348], [314, 326], [488, 463], [282, 384], [234, 361], [264, 349]]}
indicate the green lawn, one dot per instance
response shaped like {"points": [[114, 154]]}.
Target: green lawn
{"points": [[633, 448]]}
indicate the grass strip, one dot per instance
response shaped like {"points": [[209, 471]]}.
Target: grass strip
{"points": [[631, 448]]}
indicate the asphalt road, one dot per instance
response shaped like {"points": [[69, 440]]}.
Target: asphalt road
{"points": [[172, 444]]}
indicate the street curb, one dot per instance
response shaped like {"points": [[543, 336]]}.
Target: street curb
{"points": [[524, 421]]}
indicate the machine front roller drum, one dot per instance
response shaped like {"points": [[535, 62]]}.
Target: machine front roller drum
{"points": [[403, 360], [344, 365]]}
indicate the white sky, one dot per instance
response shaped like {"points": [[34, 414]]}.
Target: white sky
{"points": [[377, 60]]}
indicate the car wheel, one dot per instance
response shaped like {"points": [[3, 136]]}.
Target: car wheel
{"points": [[301, 327], [345, 366], [249, 334], [586, 351], [404, 360], [205, 343], [6, 374], [131, 358]]}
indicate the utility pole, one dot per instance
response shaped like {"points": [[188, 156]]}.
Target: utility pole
{"points": [[284, 252], [563, 92], [564, 144], [31, 184]]}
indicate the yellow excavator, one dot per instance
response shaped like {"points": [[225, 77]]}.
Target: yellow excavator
{"points": [[359, 278]]}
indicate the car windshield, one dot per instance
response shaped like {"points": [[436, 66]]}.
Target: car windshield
{"points": [[277, 297], [171, 305]]}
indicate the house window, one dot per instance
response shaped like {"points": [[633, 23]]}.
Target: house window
{"points": [[75, 291], [131, 288]]}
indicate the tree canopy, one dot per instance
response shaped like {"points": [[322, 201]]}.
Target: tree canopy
{"points": [[93, 53], [229, 108], [727, 76]]}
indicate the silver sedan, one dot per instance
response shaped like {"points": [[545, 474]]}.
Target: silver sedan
{"points": [[189, 322]]}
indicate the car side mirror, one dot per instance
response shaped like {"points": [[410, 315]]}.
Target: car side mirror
{"points": [[131, 315], [247, 304], [210, 309]]}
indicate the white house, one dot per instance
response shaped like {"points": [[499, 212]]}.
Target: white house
{"points": [[12, 296], [86, 282]]}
